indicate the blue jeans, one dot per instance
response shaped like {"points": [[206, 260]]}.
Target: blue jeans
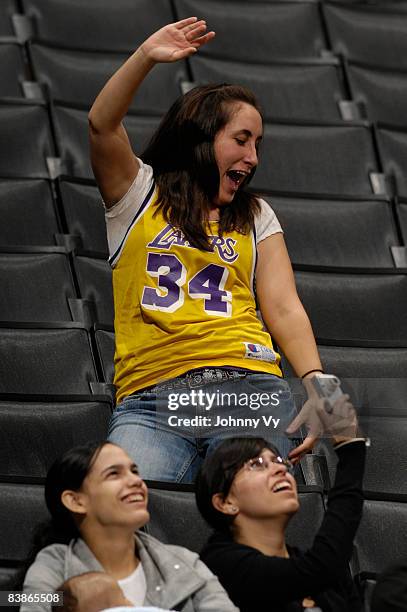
{"points": [[168, 440]]}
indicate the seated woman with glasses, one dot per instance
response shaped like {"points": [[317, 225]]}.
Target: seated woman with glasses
{"points": [[248, 494], [98, 503]]}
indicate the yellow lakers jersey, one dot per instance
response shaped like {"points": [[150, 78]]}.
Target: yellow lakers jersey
{"points": [[178, 308]]}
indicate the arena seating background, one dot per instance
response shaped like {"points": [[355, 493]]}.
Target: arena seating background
{"points": [[332, 79]]}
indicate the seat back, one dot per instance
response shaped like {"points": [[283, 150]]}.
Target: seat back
{"points": [[28, 213], [328, 159], [27, 131], [46, 360], [271, 31], [285, 91], [337, 232], [34, 434], [119, 26]]}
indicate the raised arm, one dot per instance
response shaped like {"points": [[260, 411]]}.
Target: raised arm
{"points": [[113, 161], [279, 580]]}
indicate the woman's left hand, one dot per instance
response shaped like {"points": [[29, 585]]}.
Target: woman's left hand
{"points": [[339, 423]]}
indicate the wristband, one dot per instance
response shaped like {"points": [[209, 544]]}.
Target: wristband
{"points": [[310, 372]]}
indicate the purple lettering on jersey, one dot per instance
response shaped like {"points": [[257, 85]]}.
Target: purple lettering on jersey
{"points": [[209, 284], [169, 236], [229, 252], [224, 247], [171, 276], [156, 242]]}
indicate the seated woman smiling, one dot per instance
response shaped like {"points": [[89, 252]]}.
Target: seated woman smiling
{"points": [[248, 494], [98, 502]]}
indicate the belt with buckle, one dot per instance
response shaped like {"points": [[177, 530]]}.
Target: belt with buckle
{"points": [[197, 378]]}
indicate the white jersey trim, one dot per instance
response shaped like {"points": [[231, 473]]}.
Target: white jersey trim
{"points": [[121, 217]]}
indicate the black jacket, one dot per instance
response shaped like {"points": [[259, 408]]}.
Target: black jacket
{"points": [[255, 581]]}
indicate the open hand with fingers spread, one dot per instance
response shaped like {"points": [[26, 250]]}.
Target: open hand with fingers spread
{"points": [[177, 40], [337, 421]]}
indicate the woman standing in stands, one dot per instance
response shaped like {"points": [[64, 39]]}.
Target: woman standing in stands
{"points": [[97, 500], [187, 243], [246, 492]]}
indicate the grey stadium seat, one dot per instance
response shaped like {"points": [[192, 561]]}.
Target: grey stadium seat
{"points": [[84, 214], [22, 508], [381, 538], [337, 232], [382, 93], [285, 91], [175, 519], [26, 129], [95, 284], [7, 577], [329, 159], [77, 77], [101, 24], [402, 215], [105, 347], [371, 361], [386, 464], [7, 9], [72, 138], [372, 34], [259, 32], [28, 213], [34, 434], [386, 461], [12, 71], [355, 306], [393, 151], [36, 286], [374, 376], [53, 359], [375, 379]]}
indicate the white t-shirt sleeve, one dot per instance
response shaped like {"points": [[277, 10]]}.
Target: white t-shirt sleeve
{"points": [[266, 223], [120, 216]]}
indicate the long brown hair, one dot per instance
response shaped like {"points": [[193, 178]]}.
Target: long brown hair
{"points": [[181, 153]]}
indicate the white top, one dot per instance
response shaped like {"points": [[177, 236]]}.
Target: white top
{"points": [[134, 586], [120, 216]]}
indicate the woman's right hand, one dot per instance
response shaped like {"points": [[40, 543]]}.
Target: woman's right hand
{"points": [[176, 41]]}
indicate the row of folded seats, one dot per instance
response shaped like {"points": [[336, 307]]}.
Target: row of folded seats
{"points": [[371, 33], [54, 285], [68, 362], [332, 79], [358, 232], [352, 159], [319, 89]]}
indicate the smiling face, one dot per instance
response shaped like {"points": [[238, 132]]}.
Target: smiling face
{"points": [[113, 493], [235, 148], [265, 493]]}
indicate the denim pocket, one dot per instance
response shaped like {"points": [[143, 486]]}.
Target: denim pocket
{"points": [[268, 383], [136, 401]]}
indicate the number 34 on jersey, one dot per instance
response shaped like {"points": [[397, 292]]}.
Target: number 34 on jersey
{"points": [[208, 284]]}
